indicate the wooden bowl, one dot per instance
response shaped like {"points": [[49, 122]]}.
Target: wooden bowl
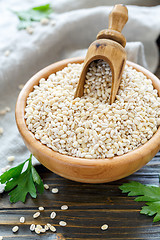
{"points": [[81, 169]]}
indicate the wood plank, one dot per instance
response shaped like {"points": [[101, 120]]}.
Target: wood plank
{"points": [[90, 206]]}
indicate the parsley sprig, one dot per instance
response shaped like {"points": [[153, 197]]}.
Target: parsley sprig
{"points": [[20, 182], [149, 194], [33, 14]]}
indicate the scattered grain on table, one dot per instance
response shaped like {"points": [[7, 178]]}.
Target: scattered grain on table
{"points": [[104, 227], [62, 223], [46, 227], [36, 215], [41, 208], [53, 215], [15, 229], [37, 231], [46, 186], [32, 227], [52, 228], [64, 207], [54, 190], [22, 219]]}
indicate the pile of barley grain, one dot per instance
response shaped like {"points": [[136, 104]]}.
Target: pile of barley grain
{"points": [[89, 127]]}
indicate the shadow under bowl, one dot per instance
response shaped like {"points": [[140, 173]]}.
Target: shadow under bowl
{"points": [[81, 169]]}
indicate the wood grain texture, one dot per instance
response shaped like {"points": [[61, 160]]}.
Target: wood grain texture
{"points": [[118, 17], [112, 53], [109, 47], [90, 206]]}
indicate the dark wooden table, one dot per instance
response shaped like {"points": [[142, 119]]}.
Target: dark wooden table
{"points": [[90, 206]]}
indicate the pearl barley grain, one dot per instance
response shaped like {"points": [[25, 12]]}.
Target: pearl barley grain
{"points": [[46, 227], [32, 227], [64, 207], [37, 231], [62, 223], [46, 186], [44, 21], [54, 190], [15, 229], [41, 208], [22, 219], [39, 227], [36, 215], [52, 215], [104, 227], [20, 86], [89, 127], [11, 158], [52, 228]]}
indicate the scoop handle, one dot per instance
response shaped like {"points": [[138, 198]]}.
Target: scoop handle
{"points": [[118, 17]]}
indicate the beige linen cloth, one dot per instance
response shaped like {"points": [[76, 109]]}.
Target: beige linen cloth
{"points": [[77, 24]]}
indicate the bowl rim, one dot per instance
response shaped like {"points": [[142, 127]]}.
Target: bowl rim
{"points": [[28, 136]]}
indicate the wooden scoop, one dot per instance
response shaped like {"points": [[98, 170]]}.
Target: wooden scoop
{"points": [[109, 46]]}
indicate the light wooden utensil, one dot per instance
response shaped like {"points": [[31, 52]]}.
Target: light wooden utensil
{"points": [[109, 46], [81, 169]]}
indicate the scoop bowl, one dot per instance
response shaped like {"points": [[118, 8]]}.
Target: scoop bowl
{"points": [[81, 169]]}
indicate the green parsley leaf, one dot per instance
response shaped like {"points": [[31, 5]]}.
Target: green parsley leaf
{"points": [[33, 14], [37, 180], [150, 194], [12, 173], [21, 183]]}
